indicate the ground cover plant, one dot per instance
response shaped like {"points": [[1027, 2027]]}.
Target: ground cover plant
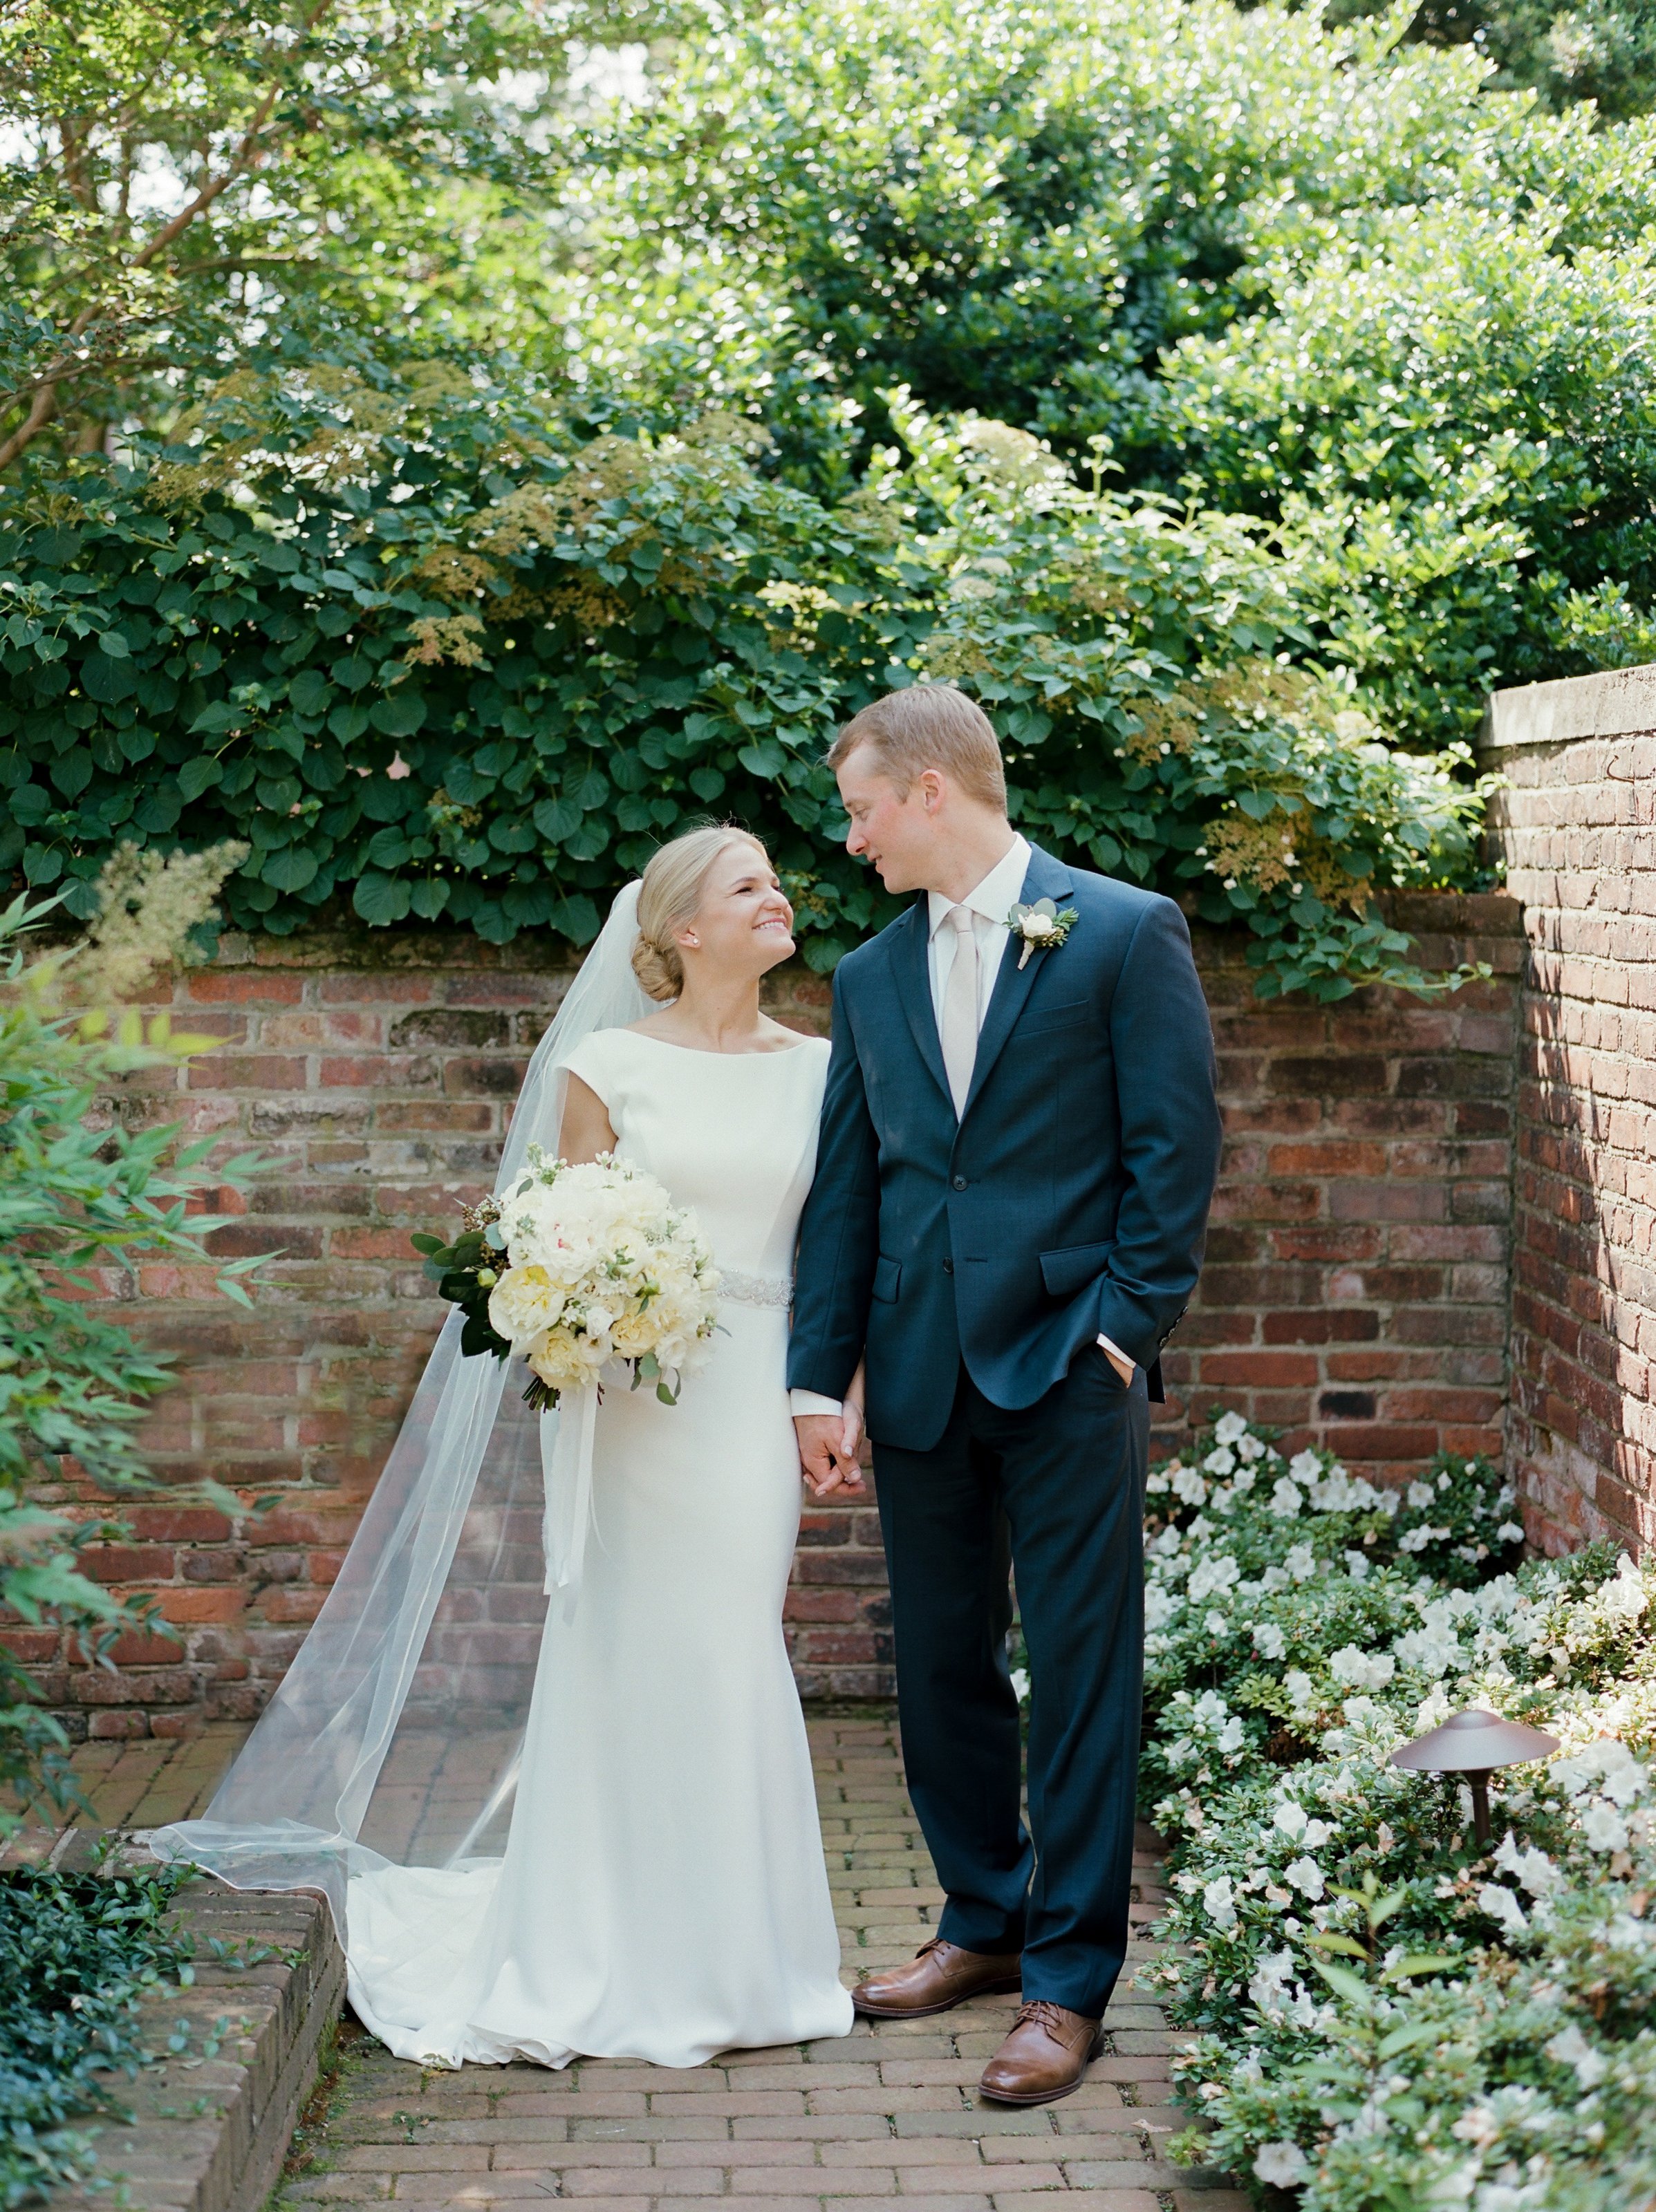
{"points": [[77, 1953], [1386, 2013]]}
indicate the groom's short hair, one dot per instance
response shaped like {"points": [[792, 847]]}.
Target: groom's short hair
{"points": [[929, 726]]}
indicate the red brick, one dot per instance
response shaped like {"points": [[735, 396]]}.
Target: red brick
{"points": [[211, 986], [1323, 1104], [216, 1604], [126, 1562]]}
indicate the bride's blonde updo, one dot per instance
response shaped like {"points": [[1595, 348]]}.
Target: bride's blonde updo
{"points": [[669, 895]]}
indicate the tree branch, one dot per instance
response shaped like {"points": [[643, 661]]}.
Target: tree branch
{"points": [[232, 262], [45, 407], [239, 161]]}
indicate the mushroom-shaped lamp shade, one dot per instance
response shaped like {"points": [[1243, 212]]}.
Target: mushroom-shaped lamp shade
{"points": [[1474, 1744]]}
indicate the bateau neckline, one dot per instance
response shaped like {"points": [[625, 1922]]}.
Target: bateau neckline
{"points": [[700, 1052]]}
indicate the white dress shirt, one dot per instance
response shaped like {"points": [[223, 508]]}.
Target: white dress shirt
{"points": [[989, 904]]}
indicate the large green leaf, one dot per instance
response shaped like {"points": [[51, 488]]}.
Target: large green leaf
{"points": [[381, 899]]}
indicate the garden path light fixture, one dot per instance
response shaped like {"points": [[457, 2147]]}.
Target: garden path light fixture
{"points": [[1472, 1745]]}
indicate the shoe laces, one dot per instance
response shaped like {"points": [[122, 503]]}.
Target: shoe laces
{"points": [[1038, 2013]]}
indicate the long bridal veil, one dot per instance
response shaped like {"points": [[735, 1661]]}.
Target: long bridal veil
{"points": [[393, 1738]]}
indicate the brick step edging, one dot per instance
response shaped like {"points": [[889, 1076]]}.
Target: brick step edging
{"points": [[269, 2021]]}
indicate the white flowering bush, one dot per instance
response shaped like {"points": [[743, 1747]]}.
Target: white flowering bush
{"points": [[601, 1265], [1385, 2012]]}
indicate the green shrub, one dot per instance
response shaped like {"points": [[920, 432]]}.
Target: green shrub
{"points": [[77, 1951], [82, 1200], [408, 640], [1280, 263]]}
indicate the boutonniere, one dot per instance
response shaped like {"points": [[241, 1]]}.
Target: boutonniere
{"points": [[1040, 927]]}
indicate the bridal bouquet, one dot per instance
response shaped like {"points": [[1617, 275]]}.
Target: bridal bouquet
{"points": [[577, 1266]]}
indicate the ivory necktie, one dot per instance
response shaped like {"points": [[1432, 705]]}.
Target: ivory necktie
{"points": [[960, 1023]]}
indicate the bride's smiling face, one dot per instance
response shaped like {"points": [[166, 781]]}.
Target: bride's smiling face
{"points": [[744, 926]]}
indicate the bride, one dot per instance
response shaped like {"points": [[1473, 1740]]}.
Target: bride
{"points": [[587, 1829]]}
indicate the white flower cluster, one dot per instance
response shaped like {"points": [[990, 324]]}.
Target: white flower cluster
{"points": [[1495, 2076], [601, 1266]]}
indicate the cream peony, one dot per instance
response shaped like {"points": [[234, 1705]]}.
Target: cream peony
{"points": [[601, 1265]]}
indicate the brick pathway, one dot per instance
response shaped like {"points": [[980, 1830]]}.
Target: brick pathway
{"points": [[888, 2112]]}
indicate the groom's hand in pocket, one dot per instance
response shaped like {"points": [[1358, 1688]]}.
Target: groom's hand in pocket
{"points": [[828, 1450]]}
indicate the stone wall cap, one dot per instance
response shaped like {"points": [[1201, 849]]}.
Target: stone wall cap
{"points": [[1615, 703]]}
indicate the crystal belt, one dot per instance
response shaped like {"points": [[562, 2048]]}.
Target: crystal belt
{"points": [[756, 1290]]}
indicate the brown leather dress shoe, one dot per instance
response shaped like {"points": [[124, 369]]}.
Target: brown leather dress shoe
{"points": [[940, 1975], [1044, 2057]]}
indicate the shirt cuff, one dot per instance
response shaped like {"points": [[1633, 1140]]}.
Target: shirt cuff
{"points": [[1105, 1344], [801, 1402]]}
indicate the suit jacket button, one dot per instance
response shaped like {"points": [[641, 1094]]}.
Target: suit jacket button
{"points": [[948, 1267], [960, 1182]]}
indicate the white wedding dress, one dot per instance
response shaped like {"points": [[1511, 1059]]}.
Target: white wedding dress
{"points": [[662, 1894]]}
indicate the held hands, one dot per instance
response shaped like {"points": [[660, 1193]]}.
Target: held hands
{"points": [[828, 1446]]}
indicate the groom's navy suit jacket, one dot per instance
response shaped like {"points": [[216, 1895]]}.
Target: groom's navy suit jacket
{"points": [[1070, 1197]]}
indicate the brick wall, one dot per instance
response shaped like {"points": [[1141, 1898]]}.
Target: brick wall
{"points": [[1355, 1289], [1575, 824]]}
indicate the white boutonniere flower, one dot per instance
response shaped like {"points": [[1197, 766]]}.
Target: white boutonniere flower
{"points": [[1040, 927]]}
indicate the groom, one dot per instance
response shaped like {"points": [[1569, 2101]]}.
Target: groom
{"points": [[1018, 1151]]}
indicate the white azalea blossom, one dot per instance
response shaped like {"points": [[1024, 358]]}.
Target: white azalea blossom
{"points": [[1571, 2048], [1606, 1767], [1188, 1487], [1627, 1596], [1417, 1539], [1499, 1902], [1219, 1902], [1286, 1499], [1432, 1648], [1299, 1827], [1283, 2165], [1160, 1605], [1213, 1576], [1340, 1492], [1306, 1877], [1604, 1828], [1362, 1671], [1529, 1866]]}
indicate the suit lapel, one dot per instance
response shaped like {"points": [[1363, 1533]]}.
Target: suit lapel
{"points": [[914, 992], [1045, 878]]}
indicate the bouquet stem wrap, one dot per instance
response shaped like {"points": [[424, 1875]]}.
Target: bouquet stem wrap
{"points": [[566, 1463]]}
